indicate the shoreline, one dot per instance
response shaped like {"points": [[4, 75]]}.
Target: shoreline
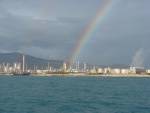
{"points": [[82, 75]]}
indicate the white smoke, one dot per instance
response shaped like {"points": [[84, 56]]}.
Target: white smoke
{"points": [[139, 57]]}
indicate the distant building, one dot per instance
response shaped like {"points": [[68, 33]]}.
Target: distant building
{"points": [[117, 71], [107, 70], [96, 70], [100, 71], [17, 67], [148, 71], [137, 70], [124, 71], [93, 71]]}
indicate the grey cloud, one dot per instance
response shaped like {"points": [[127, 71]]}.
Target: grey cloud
{"points": [[70, 20], [31, 33], [56, 31]]}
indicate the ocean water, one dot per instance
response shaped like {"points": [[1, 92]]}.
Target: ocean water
{"points": [[28, 94]]}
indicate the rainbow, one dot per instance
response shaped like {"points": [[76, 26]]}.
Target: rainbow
{"points": [[90, 29]]}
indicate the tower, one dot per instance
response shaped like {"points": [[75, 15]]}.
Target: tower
{"points": [[84, 66], [48, 67], [23, 62], [64, 66], [78, 66]]}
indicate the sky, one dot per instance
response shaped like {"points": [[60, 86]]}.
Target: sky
{"points": [[51, 29]]}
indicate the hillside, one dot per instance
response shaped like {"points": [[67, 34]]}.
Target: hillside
{"points": [[31, 61], [43, 63]]}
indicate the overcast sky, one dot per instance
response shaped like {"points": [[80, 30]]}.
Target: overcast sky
{"points": [[52, 28]]}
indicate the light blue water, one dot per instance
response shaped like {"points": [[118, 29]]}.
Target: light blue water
{"points": [[74, 95]]}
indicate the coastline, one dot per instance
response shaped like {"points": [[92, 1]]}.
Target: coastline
{"points": [[83, 75]]}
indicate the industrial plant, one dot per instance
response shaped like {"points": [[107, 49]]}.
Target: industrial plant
{"points": [[21, 68]]}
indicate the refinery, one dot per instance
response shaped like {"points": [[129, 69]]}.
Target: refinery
{"points": [[22, 69]]}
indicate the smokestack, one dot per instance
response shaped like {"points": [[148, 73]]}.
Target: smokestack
{"points": [[23, 62], [84, 66], [78, 66], [48, 67]]}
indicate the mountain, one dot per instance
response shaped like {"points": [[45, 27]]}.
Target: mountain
{"points": [[43, 63], [30, 60], [121, 66]]}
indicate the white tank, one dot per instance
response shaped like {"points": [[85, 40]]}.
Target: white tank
{"points": [[100, 70], [148, 71], [124, 71], [116, 71]]}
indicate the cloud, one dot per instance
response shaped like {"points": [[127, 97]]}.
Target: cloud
{"points": [[56, 32], [49, 53], [70, 20]]}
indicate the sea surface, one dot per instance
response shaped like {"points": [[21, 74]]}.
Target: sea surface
{"points": [[30, 94]]}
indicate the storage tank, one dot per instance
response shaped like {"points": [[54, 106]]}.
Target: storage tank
{"points": [[124, 71], [100, 71], [148, 71], [116, 71]]}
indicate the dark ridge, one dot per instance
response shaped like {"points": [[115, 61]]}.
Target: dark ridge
{"points": [[31, 61], [43, 63]]}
